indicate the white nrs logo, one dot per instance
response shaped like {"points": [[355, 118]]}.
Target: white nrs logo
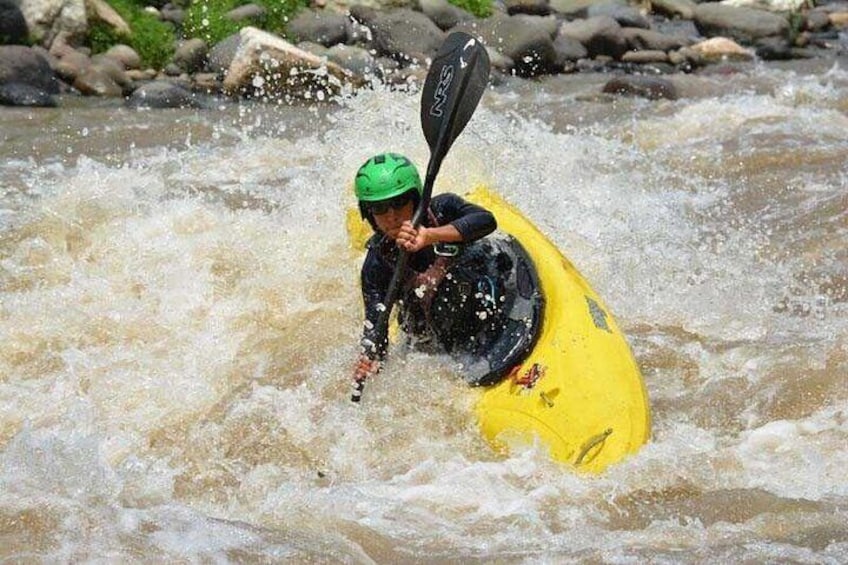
{"points": [[440, 96]]}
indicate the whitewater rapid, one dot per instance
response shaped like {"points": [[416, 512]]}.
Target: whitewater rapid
{"points": [[180, 313]]}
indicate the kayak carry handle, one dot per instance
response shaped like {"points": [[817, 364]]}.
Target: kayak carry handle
{"points": [[590, 444]]}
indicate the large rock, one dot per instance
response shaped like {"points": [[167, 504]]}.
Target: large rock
{"points": [[444, 14], [13, 26], [651, 40], [354, 59], [548, 24], [645, 57], [601, 35], [652, 88], [23, 65], [626, 16], [191, 55], [17, 94], [325, 28], [173, 14], [568, 49], [126, 55], [744, 25], [163, 94], [222, 53], [114, 68], [100, 10], [270, 68], [70, 65], [405, 34], [575, 8], [684, 9], [524, 39], [246, 12], [531, 7], [97, 81], [50, 19]]}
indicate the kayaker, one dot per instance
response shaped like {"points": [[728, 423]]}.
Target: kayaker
{"points": [[389, 190]]}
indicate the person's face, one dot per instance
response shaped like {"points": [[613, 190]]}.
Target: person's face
{"points": [[391, 221], [390, 215]]}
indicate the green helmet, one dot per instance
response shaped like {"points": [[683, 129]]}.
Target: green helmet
{"points": [[385, 176]]}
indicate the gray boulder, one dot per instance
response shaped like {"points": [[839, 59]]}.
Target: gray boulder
{"points": [[626, 16], [645, 57], [191, 55], [684, 9], [550, 24], [23, 65], [172, 14], [406, 34], [744, 25], [354, 59], [444, 14], [364, 15], [127, 56], [114, 68], [70, 65], [568, 49], [246, 12], [574, 8], [314, 48], [17, 94], [162, 94], [100, 12], [97, 81], [499, 62], [652, 88], [817, 20], [775, 49], [651, 40], [52, 20], [222, 53], [525, 40], [601, 35], [326, 28], [13, 26], [531, 7]]}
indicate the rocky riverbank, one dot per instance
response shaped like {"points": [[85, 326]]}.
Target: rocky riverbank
{"points": [[336, 48]]}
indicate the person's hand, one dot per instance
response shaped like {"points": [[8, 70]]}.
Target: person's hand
{"points": [[411, 239], [365, 368]]}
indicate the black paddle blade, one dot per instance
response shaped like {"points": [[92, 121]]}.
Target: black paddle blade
{"points": [[455, 82]]}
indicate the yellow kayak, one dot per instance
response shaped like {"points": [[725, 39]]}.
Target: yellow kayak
{"points": [[580, 391], [579, 394]]}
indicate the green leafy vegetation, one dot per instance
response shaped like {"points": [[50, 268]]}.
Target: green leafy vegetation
{"points": [[152, 39], [480, 8], [206, 18]]}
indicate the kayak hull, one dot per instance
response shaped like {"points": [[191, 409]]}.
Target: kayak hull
{"points": [[579, 394]]}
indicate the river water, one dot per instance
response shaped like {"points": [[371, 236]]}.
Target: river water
{"points": [[180, 314]]}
